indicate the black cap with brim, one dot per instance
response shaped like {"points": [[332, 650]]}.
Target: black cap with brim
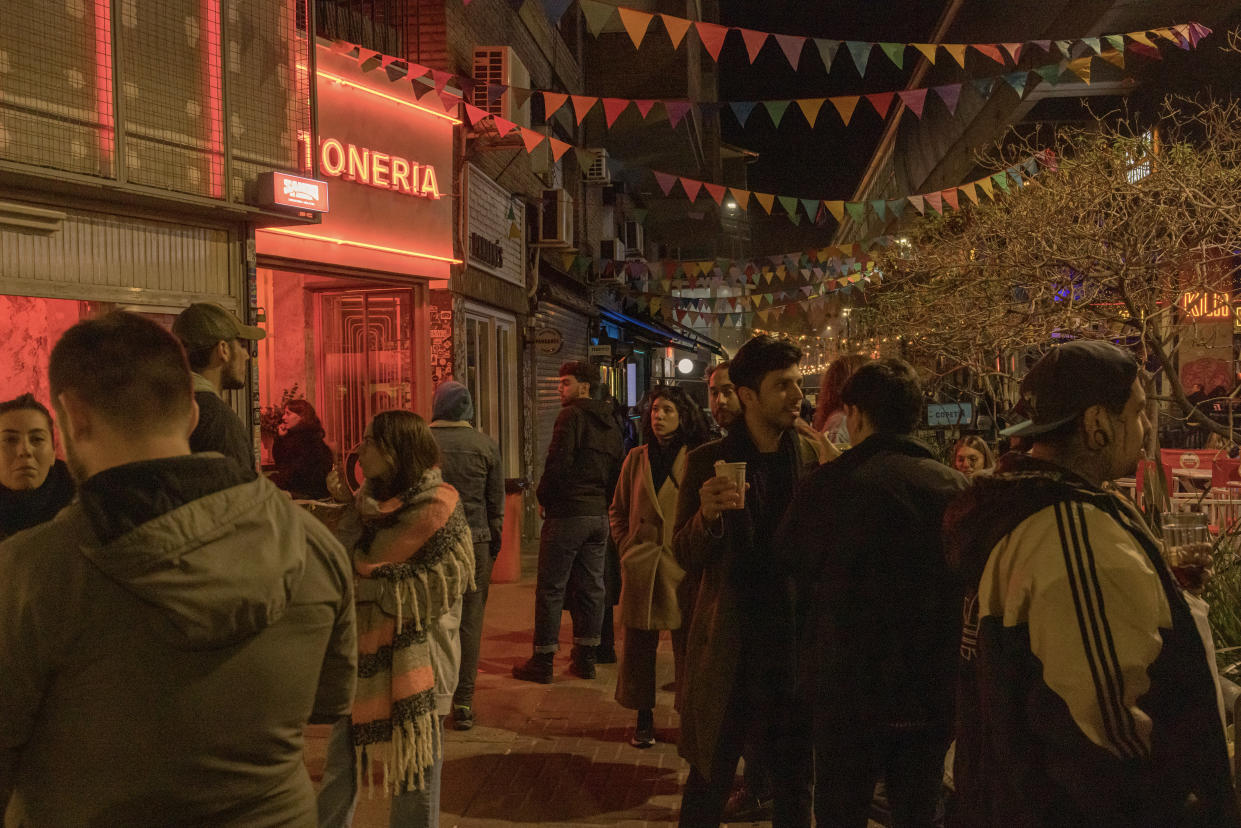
{"points": [[1069, 379]]}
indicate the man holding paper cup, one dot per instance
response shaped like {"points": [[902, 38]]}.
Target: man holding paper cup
{"points": [[740, 660]]}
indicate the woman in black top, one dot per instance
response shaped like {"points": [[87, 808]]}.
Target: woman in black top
{"points": [[303, 460], [34, 485]]}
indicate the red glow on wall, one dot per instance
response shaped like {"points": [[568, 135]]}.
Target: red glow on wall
{"points": [[400, 251], [101, 33], [214, 94]]}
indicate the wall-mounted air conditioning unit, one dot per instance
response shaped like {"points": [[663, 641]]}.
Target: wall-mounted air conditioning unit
{"points": [[611, 250], [635, 240], [597, 172], [500, 66], [556, 219]]}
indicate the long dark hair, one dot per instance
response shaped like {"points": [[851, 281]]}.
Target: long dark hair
{"points": [[407, 443], [833, 382], [693, 430]]}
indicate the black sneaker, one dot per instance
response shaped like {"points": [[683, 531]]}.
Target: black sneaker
{"points": [[644, 731], [582, 663], [462, 718], [537, 669]]}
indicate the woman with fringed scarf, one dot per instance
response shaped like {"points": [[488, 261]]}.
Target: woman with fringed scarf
{"points": [[413, 559]]}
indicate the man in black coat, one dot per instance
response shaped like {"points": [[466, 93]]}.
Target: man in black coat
{"points": [[877, 653], [583, 464]]}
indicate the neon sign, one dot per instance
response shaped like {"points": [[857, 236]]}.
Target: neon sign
{"points": [[381, 170], [1206, 304], [286, 190]]}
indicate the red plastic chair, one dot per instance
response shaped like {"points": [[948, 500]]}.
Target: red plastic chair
{"points": [[1188, 458], [1225, 470]]}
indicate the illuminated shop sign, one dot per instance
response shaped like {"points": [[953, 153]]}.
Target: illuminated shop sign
{"points": [[284, 190], [381, 170], [1206, 304]]}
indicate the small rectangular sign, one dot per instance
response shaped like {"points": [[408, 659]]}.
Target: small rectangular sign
{"points": [[283, 190], [949, 414], [600, 351]]}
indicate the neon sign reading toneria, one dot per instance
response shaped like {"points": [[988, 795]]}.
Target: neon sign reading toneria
{"points": [[377, 169]]}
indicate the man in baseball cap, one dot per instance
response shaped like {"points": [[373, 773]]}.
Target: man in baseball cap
{"points": [[1082, 676], [217, 345]]}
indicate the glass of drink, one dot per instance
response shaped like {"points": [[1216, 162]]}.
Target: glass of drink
{"points": [[1187, 547]]}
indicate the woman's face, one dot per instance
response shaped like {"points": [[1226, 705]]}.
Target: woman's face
{"points": [[26, 449], [665, 419], [969, 460], [291, 418], [375, 465]]}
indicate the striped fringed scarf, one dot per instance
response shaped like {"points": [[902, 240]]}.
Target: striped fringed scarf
{"points": [[414, 561]]}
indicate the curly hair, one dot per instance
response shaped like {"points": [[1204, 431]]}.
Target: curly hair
{"points": [[693, 429]]}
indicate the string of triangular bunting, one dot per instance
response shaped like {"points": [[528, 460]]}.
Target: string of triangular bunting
{"points": [[713, 35], [845, 106]]}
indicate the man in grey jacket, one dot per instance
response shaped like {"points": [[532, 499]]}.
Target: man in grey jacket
{"points": [[470, 462], [164, 640]]}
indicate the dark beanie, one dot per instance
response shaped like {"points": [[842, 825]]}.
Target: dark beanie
{"points": [[452, 402]]}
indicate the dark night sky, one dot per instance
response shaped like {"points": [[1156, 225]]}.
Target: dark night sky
{"points": [[828, 161]]}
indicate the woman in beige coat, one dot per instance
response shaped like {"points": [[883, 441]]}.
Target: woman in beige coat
{"points": [[642, 514]]}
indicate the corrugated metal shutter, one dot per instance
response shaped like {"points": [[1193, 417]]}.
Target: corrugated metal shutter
{"points": [[574, 330], [110, 258]]}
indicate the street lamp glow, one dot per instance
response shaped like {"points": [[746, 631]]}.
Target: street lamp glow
{"points": [[685, 365]]}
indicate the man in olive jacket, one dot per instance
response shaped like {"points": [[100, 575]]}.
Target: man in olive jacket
{"points": [[878, 652], [740, 659], [165, 639]]}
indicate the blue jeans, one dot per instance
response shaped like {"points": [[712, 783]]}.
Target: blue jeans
{"points": [[571, 556], [338, 796]]}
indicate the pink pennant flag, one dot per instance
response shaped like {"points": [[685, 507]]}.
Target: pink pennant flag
{"points": [[936, 201], [613, 107], [531, 138], [990, 50], [918, 204], [716, 191], [915, 99], [474, 114], [552, 101], [950, 94], [504, 127], [691, 187], [441, 79], [644, 106], [1014, 50], [665, 181], [582, 104], [792, 46], [676, 111], [951, 198], [753, 42], [712, 37], [450, 100], [881, 101]]}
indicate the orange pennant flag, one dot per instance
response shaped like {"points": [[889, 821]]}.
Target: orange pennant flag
{"points": [[836, 208], [692, 187], [845, 104], [990, 50], [957, 50], [677, 27], [1140, 37], [810, 108], [1166, 34], [927, 50], [1114, 57], [636, 23], [552, 101], [716, 192], [712, 36], [742, 197], [582, 104], [559, 147], [767, 200], [971, 192], [1081, 68], [987, 186], [531, 138]]}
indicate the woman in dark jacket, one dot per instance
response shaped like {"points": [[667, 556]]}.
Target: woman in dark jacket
{"points": [[303, 460], [34, 485], [470, 461]]}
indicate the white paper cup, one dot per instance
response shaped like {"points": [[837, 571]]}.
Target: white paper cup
{"points": [[734, 472]]}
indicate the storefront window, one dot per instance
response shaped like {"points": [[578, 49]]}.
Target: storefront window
{"points": [[491, 376]]}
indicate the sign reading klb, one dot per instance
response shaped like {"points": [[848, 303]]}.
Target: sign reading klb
{"points": [[384, 171]]}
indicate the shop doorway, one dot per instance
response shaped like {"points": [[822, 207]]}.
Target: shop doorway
{"points": [[491, 376], [365, 362]]}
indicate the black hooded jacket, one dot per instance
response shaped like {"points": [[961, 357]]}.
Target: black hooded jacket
{"points": [[583, 461]]}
